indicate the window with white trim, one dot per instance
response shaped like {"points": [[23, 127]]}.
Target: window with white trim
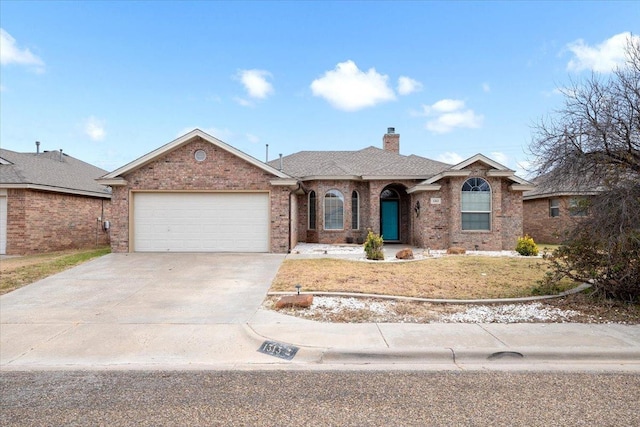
{"points": [[578, 206], [355, 211], [554, 208], [333, 210], [312, 210], [476, 205]]}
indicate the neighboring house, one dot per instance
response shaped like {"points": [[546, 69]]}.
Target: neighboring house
{"points": [[551, 210], [197, 193], [50, 201]]}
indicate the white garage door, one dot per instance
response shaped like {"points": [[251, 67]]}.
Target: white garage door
{"points": [[201, 222], [3, 225]]}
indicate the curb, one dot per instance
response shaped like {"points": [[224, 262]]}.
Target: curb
{"points": [[476, 356], [575, 290]]}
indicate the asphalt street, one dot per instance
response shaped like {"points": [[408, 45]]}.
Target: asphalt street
{"points": [[340, 398]]}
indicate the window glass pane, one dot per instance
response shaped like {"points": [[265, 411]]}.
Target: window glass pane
{"points": [[554, 208], [476, 204], [312, 210], [355, 206], [578, 206], [476, 221], [333, 210], [476, 201]]}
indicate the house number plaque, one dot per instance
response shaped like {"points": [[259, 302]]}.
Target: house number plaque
{"points": [[436, 200], [277, 349]]}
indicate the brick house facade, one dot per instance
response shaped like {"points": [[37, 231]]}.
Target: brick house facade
{"points": [[547, 219], [49, 202], [324, 197]]}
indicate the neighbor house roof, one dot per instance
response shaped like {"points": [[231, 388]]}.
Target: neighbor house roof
{"points": [[368, 163], [547, 187], [50, 171]]}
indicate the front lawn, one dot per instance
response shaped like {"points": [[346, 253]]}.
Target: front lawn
{"points": [[23, 270], [451, 277]]}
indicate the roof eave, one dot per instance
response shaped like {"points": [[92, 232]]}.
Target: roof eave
{"points": [[423, 187], [49, 188], [112, 182]]}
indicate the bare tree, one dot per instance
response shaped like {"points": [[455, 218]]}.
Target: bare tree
{"points": [[593, 141]]}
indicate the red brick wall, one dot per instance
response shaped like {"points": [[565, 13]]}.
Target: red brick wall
{"points": [[221, 171], [41, 221], [440, 226], [541, 226], [369, 212]]}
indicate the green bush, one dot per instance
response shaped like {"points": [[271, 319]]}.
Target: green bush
{"points": [[373, 246], [526, 246]]}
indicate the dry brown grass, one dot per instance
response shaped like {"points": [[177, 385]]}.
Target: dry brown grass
{"points": [[16, 272], [455, 277]]}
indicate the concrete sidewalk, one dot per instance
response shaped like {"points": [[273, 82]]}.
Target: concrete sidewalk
{"points": [[458, 344]]}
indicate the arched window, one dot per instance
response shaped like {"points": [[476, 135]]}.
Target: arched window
{"points": [[333, 210], [312, 210], [476, 205], [355, 211]]}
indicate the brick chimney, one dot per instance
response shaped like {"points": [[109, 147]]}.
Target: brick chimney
{"points": [[391, 141]]}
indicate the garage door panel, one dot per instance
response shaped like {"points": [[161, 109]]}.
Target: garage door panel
{"points": [[201, 222]]}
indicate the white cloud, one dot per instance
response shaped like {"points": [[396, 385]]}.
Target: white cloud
{"points": [[255, 83], [499, 157], [94, 128], [252, 138], [486, 87], [449, 114], [10, 53], [348, 88], [243, 102], [602, 58], [451, 158], [407, 85]]}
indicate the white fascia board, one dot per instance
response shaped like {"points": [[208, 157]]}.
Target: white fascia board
{"points": [[52, 189], [331, 178], [521, 187], [479, 158], [147, 158], [423, 187], [115, 182], [284, 182], [500, 173], [391, 177], [445, 174]]}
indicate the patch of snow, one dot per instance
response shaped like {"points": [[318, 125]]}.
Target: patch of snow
{"points": [[510, 313], [338, 305]]}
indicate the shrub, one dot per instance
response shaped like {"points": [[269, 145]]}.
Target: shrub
{"points": [[373, 246], [526, 246]]}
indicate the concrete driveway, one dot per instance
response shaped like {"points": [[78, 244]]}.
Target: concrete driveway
{"points": [[135, 305]]}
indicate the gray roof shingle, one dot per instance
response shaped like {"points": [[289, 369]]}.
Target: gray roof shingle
{"points": [[369, 162], [51, 169]]}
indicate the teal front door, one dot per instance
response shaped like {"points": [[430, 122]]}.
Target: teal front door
{"points": [[389, 219]]}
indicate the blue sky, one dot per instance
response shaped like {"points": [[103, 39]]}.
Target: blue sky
{"points": [[110, 81]]}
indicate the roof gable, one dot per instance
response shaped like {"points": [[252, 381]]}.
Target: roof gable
{"points": [[112, 177], [496, 170]]}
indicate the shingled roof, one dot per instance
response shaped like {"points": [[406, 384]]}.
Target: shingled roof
{"points": [[50, 171], [368, 163]]}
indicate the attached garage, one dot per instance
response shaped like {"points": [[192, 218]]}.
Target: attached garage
{"points": [[201, 222]]}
